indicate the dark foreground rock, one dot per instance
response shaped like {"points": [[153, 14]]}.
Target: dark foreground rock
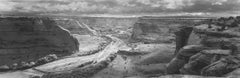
{"points": [[215, 52], [30, 38], [26, 65]]}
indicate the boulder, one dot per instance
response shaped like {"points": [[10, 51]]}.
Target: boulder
{"points": [[30, 38]]}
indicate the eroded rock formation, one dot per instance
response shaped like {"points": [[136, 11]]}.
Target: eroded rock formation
{"points": [[160, 30], [215, 53], [30, 38]]}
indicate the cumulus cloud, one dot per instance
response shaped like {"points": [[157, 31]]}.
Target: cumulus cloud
{"points": [[118, 6], [6, 5]]}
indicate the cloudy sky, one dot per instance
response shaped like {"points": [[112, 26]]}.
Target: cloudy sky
{"points": [[120, 6]]}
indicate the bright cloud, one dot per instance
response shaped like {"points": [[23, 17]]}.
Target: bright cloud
{"points": [[118, 6]]}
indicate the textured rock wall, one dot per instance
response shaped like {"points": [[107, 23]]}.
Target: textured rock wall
{"points": [[159, 30], [29, 38]]}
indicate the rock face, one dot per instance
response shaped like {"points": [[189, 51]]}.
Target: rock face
{"points": [[159, 29], [215, 52], [29, 38]]}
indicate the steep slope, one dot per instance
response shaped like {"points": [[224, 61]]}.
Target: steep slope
{"points": [[25, 39]]}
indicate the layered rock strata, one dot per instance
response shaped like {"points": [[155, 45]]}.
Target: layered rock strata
{"points": [[30, 38]]}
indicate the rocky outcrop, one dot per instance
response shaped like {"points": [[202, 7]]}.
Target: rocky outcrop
{"points": [[215, 52], [26, 39], [160, 29], [150, 33]]}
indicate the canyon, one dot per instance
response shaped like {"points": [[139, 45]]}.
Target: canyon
{"points": [[90, 47]]}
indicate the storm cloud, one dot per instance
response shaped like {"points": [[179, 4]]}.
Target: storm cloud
{"points": [[119, 6]]}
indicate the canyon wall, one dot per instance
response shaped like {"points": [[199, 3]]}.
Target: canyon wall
{"points": [[133, 29], [160, 30], [29, 38]]}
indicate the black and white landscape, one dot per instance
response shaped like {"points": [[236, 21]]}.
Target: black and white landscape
{"points": [[119, 38]]}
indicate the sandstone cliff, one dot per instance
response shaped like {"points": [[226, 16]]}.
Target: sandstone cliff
{"points": [[29, 38], [159, 29]]}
